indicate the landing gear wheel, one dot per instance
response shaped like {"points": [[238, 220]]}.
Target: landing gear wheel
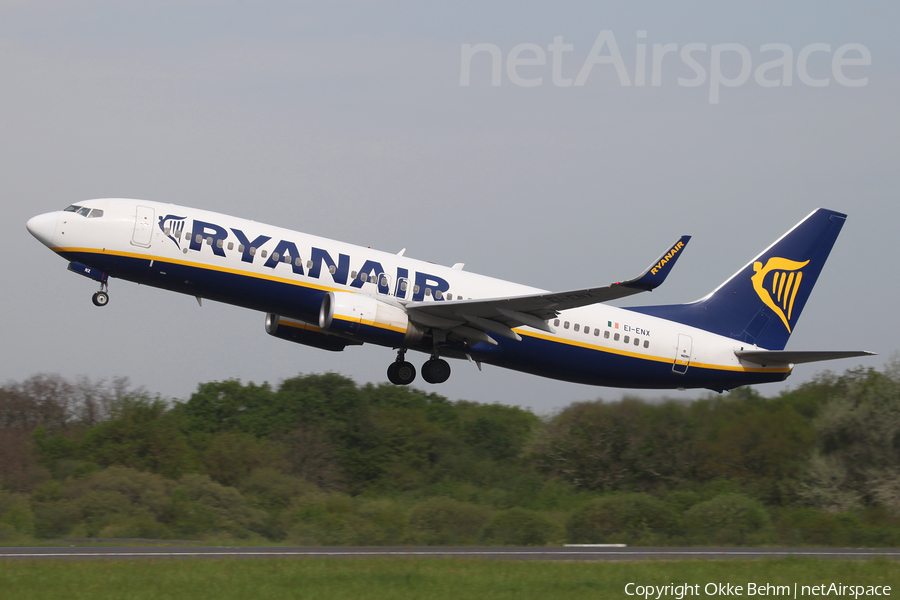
{"points": [[401, 373], [100, 299], [436, 370]]}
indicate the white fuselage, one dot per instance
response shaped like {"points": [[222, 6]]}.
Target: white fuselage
{"points": [[242, 262]]}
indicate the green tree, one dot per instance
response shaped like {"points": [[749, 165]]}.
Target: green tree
{"points": [[141, 436]]}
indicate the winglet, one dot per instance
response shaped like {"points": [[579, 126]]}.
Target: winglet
{"points": [[656, 273]]}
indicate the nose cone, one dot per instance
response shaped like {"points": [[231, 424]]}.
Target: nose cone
{"points": [[43, 227]]}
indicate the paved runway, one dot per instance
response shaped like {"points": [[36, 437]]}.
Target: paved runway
{"points": [[495, 553]]}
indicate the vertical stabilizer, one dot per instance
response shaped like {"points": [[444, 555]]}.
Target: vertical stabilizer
{"points": [[762, 302]]}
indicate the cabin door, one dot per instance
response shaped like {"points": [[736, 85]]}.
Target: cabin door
{"points": [[682, 354], [143, 226]]}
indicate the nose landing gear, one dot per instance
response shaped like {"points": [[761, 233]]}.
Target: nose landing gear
{"points": [[101, 298]]}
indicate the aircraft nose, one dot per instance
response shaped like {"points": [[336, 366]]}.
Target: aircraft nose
{"points": [[43, 227]]}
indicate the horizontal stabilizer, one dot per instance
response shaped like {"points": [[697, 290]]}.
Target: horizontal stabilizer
{"points": [[784, 357]]}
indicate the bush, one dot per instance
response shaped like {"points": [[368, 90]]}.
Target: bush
{"points": [[727, 519], [16, 513], [520, 527], [203, 506], [272, 490], [618, 518], [141, 490], [141, 526], [336, 519], [444, 522]]}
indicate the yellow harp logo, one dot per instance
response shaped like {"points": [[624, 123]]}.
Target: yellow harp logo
{"points": [[781, 291]]}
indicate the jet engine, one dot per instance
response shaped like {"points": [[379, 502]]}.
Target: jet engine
{"points": [[367, 319], [305, 333]]}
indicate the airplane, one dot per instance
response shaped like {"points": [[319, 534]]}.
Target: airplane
{"points": [[329, 295]]}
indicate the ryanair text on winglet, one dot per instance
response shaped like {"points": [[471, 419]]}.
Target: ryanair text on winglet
{"points": [[669, 255]]}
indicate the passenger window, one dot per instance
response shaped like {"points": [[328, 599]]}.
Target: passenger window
{"points": [[332, 269], [252, 251], [626, 339], [556, 323], [587, 331], [403, 286], [449, 296], [167, 231], [606, 335], [428, 291], [199, 239], [577, 327], [646, 343], [308, 263], [415, 289], [220, 243], [209, 241], [596, 332], [373, 278], [299, 262], [95, 214], [566, 325], [231, 245], [637, 342], [438, 295], [264, 253], [616, 337], [276, 257], [287, 259], [187, 235], [241, 248]]}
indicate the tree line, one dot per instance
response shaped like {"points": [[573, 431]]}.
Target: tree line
{"points": [[319, 459]]}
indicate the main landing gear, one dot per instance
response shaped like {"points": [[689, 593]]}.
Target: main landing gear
{"points": [[101, 298], [436, 370], [401, 372]]}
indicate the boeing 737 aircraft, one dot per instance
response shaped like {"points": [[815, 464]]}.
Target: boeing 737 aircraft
{"points": [[330, 295]]}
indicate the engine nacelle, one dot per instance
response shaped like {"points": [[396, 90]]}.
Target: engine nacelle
{"points": [[305, 333], [367, 319]]}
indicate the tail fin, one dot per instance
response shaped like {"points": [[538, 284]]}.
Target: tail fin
{"points": [[762, 302]]}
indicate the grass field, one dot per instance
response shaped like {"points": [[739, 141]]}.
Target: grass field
{"points": [[375, 579]]}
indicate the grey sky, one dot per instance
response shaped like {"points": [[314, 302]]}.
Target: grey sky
{"points": [[348, 120]]}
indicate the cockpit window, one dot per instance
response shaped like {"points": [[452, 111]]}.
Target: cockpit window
{"points": [[84, 211]]}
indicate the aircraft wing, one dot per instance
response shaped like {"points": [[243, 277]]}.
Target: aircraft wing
{"points": [[474, 319]]}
